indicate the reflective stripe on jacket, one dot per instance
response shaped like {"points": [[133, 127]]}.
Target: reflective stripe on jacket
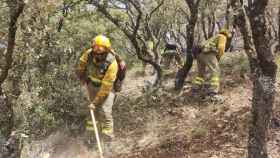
{"points": [[102, 75]]}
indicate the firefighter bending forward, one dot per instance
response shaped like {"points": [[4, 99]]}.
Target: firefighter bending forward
{"points": [[97, 70], [209, 57]]}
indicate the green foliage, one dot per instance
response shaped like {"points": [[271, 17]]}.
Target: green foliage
{"points": [[41, 119], [49, 95]]}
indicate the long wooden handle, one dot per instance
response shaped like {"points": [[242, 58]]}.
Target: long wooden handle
{"points": [[96, 134]]}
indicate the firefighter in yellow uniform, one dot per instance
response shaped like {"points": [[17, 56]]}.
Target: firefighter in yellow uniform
{"points": [[97, 70], [210, 54]]}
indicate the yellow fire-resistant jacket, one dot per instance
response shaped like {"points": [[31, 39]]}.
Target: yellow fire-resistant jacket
{"points": [[102, 75], [216, 44]]}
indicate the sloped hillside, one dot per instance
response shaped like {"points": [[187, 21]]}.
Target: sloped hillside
{"points": [[169, 124]]}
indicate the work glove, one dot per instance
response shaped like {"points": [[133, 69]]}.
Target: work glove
{"points": [[218, 58], [92, 106], [85, 81]]}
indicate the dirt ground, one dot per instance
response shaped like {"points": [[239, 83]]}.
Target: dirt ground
{"points": [[164, 125]]}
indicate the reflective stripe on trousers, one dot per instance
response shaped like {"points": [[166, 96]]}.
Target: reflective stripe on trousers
{"points": [[214, 84], [210, 62], [103, 113], [198, 81]]}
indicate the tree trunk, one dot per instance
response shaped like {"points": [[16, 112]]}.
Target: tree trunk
{"points": [[279, 28], [16, 8], [271, 27], [212, 24], [264, 85], [241, 20], [150, 61], [182, 73], [203, 23], [208, 25], [263, 69], [6, 118]]}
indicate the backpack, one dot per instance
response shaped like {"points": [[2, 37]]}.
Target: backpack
{"points": [[121, 72], [170, 46]]}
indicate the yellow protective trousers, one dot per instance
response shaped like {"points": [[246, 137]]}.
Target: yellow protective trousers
{"points": [[208, 61], [103, 113]]}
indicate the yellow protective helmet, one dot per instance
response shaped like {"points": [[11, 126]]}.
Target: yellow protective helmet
{"points": [[103, 41], [225, 32]]}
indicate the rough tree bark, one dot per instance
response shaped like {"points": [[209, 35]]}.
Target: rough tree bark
{"points": [[208, 25], [6, 117], [241, 20], [279, 27], [11, 148], [263, 69], [273, 29], [182, 73], [264, 85]]}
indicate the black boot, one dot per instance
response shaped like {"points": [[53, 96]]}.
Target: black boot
{"points": [[107, 145], [215, 98], [89, 140]]}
